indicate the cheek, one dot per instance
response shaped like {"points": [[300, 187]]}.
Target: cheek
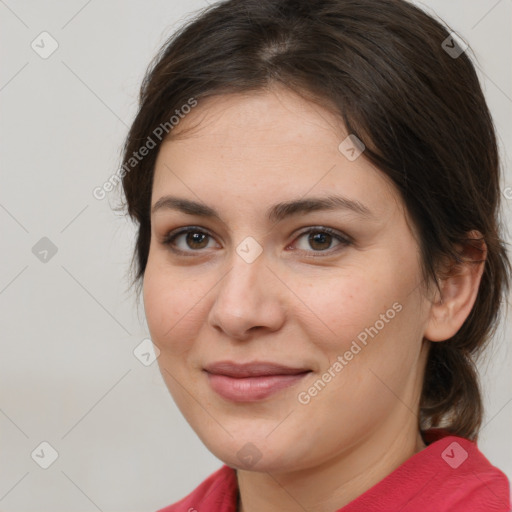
{"points": [[372, 344], [172, 305], [340, 307], [371, 308]]}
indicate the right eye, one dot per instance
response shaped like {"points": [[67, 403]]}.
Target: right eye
{"points": [[193, 240]]}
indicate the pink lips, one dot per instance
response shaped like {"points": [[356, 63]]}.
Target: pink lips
{"points": [[251, 381]]}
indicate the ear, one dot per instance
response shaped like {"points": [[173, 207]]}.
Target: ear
{"points": [[459, 284]]}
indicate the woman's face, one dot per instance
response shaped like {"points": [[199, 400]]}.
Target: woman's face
{"points": [[259, 279]]}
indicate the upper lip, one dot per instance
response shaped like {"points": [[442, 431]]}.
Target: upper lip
{"points": [[253, 369]]}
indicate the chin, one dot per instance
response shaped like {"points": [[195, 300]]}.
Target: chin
{"points": [[259, 453]]}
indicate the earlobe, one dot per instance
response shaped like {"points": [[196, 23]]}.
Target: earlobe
{"points": [[459, 287]]}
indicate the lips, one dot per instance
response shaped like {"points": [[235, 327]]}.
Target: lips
{"points": [[251, 382], [256, 369]]}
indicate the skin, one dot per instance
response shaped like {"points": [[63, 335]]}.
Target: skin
{"points": [[299, 303]]}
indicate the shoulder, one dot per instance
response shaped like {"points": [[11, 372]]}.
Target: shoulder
{"points": [[466, 480], [217, 493], [449, 475]]}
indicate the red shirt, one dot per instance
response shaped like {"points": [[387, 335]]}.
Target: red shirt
{"points": [[449, 475]]}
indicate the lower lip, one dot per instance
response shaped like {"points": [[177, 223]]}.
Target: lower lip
{"points": [[251, 389]]}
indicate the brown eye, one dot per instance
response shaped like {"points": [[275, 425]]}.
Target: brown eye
{"points": [[187, 240], [321, 240], [196, 240]]}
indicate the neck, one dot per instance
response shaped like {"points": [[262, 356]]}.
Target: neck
{"points": [[335, 483]]}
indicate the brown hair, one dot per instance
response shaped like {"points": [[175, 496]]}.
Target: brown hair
{"points": [[384, 67]]}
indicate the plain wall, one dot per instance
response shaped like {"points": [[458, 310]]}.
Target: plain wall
{"points": [[69, 324]]}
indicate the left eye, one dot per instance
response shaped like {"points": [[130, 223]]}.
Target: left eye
{"points": [[321, 239]]}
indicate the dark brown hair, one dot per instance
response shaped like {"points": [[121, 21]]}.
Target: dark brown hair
{"points": [[385, 69]]}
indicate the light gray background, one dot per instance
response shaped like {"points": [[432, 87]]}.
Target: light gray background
{"points": [[68, 375]]}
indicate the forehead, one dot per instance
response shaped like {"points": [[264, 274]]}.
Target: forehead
{"points": [[259, 120], [264, 145]]}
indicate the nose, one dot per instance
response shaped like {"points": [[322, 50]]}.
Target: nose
{"points": [[249, 300]]}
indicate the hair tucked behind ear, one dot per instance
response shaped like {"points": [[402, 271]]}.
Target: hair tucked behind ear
{"points": [[421, 113], [451, 398]]}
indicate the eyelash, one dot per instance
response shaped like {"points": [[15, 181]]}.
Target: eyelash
{"points": [[345, 241]]}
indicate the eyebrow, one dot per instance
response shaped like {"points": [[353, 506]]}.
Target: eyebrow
{"points": [[275, 213]]}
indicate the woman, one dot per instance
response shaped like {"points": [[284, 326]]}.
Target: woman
{"points": [[316, 188]]}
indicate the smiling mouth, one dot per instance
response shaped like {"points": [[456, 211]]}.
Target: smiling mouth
{"points": [[251, 382]]}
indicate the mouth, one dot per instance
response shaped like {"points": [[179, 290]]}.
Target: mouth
{"points": [[252, 382]]}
